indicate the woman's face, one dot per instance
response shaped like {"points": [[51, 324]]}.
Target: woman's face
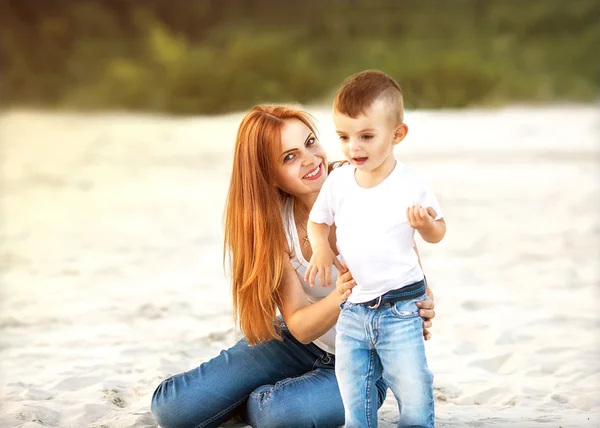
{"points": [[302, 163]]}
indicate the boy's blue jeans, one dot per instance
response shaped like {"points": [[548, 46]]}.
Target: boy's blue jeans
{"points": [[274, 384], [385, 340]]}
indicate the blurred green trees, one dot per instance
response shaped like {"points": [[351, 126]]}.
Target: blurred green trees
{"points": [[214, 56]]}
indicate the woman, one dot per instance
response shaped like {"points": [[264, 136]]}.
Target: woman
{"points": [[282, 373]]}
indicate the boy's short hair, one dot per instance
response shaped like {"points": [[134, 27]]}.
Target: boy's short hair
{"points": [[361, 90]]}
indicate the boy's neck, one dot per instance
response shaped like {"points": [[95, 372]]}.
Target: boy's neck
{"points": [[368, 179]]}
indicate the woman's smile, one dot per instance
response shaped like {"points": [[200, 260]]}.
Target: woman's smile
{"points": [[315, 172]]}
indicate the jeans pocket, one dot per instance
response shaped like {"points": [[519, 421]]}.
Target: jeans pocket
{"points": [[407, 308]]}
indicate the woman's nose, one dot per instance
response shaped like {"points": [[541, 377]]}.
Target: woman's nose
{"points": [[309, 159]]}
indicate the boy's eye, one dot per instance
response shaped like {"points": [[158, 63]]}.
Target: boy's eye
{"points": [[367, 137], [343, 138]]}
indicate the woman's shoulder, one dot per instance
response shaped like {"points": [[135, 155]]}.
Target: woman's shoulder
{"points": [[337, 164]]}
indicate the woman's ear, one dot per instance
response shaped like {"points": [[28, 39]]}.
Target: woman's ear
{"points": [[399, 133]]}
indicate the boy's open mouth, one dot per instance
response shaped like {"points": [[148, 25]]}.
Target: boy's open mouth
{"points": [[359, 161]]}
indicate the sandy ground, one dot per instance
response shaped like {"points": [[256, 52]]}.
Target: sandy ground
{"points": [[112, 278]]}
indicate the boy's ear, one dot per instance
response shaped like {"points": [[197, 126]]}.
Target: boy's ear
{"points": [[399, 133]]}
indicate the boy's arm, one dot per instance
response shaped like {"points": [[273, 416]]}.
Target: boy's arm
{"points": [[423, 220], [435, 233], [318, 235], [323, 257]]}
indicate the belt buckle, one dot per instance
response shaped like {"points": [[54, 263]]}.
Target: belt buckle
{"points": [[376, 305]]}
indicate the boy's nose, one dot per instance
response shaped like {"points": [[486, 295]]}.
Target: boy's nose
{"points": [[354, 146]]}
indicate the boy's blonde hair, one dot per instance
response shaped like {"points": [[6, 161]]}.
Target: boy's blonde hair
{"points": [[361, 90]]}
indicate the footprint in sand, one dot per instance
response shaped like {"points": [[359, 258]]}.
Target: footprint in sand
{"points": [[39, 415], [95, 411], [77, 383], [465, 348], [475, 305], [491, 364], [547, 418], [114, 396], [482, 397], [150, 311], [38, 394], [512, 338], [559, 399]]}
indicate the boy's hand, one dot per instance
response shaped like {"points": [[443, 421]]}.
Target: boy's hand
{"points": [[420, 217], [320, 264]]}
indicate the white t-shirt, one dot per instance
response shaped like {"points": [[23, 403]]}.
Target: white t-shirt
{"points": [[373, 235], [313, 294]]}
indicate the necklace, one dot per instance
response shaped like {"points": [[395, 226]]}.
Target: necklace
{"points": [[305, 231], [302, 226]]}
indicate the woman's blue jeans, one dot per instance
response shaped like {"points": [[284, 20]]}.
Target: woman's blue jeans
{"points": [[273, 384]]}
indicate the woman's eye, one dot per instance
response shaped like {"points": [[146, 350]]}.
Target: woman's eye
{"points": [[288, 158], [310, 142]]}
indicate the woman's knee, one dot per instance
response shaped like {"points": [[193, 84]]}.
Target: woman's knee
{"points": [[170, 410], [272, 406], [164, 406], [259, 411]]}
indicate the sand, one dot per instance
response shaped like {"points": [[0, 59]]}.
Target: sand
{"points": [[112, 277]]}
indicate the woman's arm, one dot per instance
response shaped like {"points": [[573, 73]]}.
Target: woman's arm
{"points": [[426, 308], [307, 321]]}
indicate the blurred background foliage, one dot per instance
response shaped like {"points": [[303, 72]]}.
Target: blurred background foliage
{"points": [[215, 56]]}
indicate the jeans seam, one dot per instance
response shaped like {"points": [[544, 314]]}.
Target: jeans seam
{"points": [[369, 386], [397, 314], [283, 383], [218, 415]]}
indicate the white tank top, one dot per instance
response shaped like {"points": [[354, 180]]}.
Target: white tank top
{"points": [[313, 294]]}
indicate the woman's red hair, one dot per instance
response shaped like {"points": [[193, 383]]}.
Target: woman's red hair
{"points": [[254, 232]]}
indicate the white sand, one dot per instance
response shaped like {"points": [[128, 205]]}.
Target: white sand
{"points": [[112, 279]]}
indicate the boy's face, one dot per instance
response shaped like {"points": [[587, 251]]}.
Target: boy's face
{"points": [[368, 141]]}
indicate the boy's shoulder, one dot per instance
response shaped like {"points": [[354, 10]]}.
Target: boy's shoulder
{"points": [[409, 172], [341, 172]]}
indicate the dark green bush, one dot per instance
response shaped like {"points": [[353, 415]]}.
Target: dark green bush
{"points": [[214, 56]]}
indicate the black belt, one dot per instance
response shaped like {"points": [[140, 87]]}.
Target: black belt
{"points": [[405, 293]]}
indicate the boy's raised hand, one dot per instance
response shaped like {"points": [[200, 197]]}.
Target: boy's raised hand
{"points": [[320, 264], [420, 217]]}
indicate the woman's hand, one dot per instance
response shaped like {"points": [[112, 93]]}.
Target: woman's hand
{"points": [[427, 312], [344, 284]]}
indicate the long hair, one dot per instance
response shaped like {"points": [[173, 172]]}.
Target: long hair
{"points": [[255, 242]]}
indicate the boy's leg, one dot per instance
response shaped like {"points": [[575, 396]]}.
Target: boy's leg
{"points": [[310, 400], [401, 349], [209, 394], [357, 366]]}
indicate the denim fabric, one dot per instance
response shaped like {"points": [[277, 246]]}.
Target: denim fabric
{"points": [[274, 384], [385, 340]]}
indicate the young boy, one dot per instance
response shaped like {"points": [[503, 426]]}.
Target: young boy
{"points": [[377, 204]]}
